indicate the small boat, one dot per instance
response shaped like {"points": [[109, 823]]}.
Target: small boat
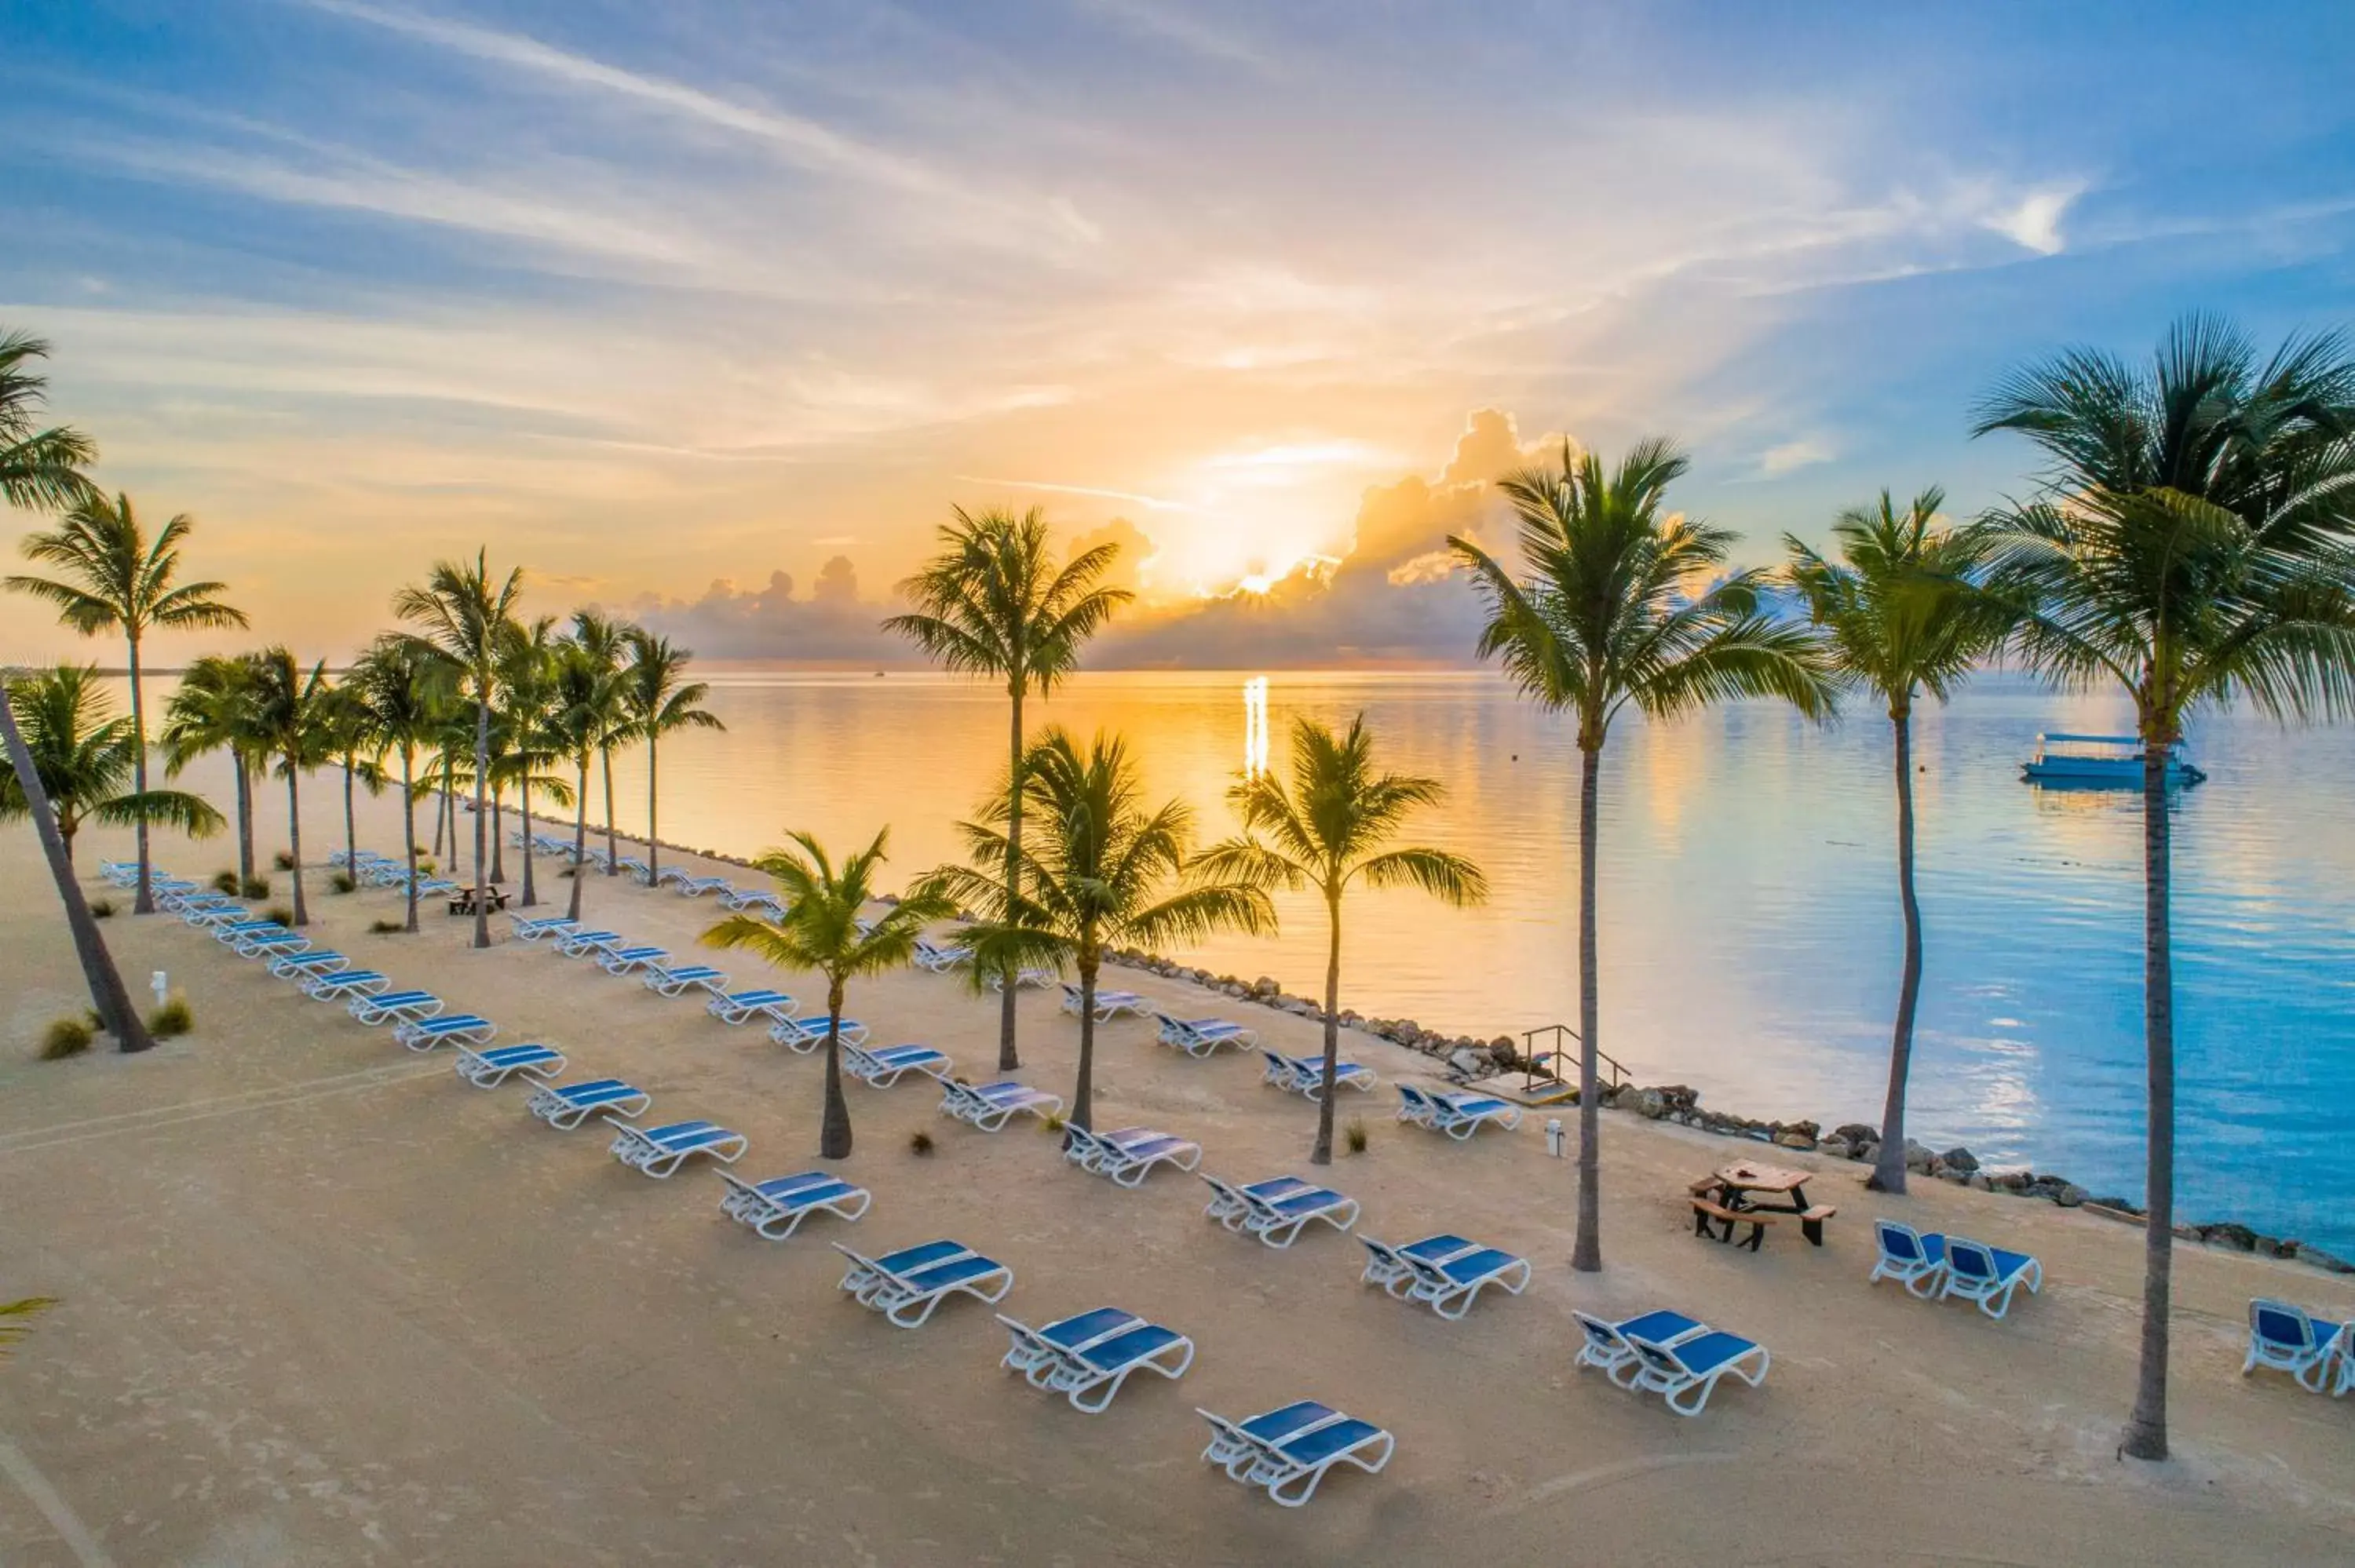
{"points": [[2112, 761]]}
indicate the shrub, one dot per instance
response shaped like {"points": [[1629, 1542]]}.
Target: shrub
{"points": [[172, 1017], [1354, 1135], [387, 928], [225, 882], [425, 866], [256, 887], [920, 1142], [284, 860], [1053, 1121], [342, 882], [66, 1037], [280, 912], [101, 908]]}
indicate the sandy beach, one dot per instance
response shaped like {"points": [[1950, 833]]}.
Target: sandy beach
{"points": [[323, 1303]]}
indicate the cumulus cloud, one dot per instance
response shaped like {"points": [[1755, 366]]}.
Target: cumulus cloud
{"points": [[1131, 567], [832, 626]]}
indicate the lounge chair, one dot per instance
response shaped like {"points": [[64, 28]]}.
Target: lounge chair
{"points": [[806, 1035], [122, 873], [939, 958], [622, 960], [1987, 1274], [1200, 1036], [315, 961], [1449, 1286], [571, 944], [684, 977], [1607, 1347], [1305, 1075], [775, 1208], [1685, 1372], [906, 1286], [635, 867], [542, 928], [1392, 1267], [1024, 979], [1914, 1260], [1289, 1450], [1128, 1155], [461, 1028], [1109, 1004], [990, 1106], [659, 1151], [743, 1006], [1277, 1210], [697, 886], [394, 1006], [1088, 1367], [207, 909], [227, 931], [336, 984], [672, 876], [2289, 1339], [747, 898], [566, 1106], [489, 1069], [1035, 1353], [270, 944], [888, 1065], [1457, 1116]]}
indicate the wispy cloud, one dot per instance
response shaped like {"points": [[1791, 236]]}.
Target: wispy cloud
{"points": [[1791, 456], [1152, 502], [1171, 25]]}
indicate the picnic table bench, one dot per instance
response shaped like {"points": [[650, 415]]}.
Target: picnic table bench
{"points": [[1723, 1202], [463, 902]]}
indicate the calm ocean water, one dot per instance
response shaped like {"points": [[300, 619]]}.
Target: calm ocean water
{"points": [[1750, 937]]}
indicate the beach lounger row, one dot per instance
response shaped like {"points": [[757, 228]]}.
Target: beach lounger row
{"points": [[1288, 1450], [1199, 1036], [1278, 1208], [1127, 1155], [1086, 1358], [1668, 1353], [1935, 1268], [1457, 1116], [906, 1286], [1445, 1273], [1305, 1075], [990, 1106]]}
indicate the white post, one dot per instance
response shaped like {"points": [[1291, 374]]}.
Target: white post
{"points": [[162, 985]]}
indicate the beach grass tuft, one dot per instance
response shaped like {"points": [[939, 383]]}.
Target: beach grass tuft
{"points": [[101, 908], [66, 1037], [387, 928], [920, 1142], [175, 1017], [280, 912], [343, 882], [225, 882], [256, 887], [1354, 1135], [1053, 1121], [284, 860]]}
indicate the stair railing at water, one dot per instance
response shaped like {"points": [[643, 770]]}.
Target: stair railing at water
{"points": [[1614, 1073]]}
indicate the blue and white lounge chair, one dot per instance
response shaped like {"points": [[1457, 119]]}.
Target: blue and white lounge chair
{"points": [[574, 944], [458, 1028], [564, 1106], [1392, 1267], [659, 1151], [635, 867], [746, 899], [435, 887], [227, 932], [1288, 1450], [743, 1006], [337, 984], [1608, 1348], [543, 927], [122, 873], [697, 886], [1109, 1004], [297, 966], [1457, 1116], [939, 958], [393, 1006], [775, 1208], [678, 982], [806, 1035], [1277, 1210], [989, 1107], [489, 1069], [1449, 1286], [1987, 1274], [2289, 1339], [268, 945], [1024, 979], [1087, 1362], [1685, 1372], [1305, 1075], [886, 1065], [1230, 1204], [1201, 1036], [1128, 1155], [906, 1286], [1914, 1260], [623, 960], [205, 909]]}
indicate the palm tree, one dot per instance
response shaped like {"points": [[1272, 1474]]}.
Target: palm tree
{"points": [[116, 579], [1900, 616], [527, 679], [42, 467], [660, 700], [212, 710], [84, 757], [359, 750], [462, 615], [2191, 544], [585, 714], [1328, 831], [993, 603], [296, 711], [1100, 872], [823, 930], [1606, 617], [404, 693], [605, 643]]}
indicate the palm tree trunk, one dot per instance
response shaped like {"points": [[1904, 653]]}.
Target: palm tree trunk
{"points": [[654, 850], [1586, 1255], [530, 888], [1008, 1058], [1888, 1170], [605, 754], [1084, 1092], [579, 840], [834, 1130], [144, 903], [2146, 1434], [244, 820], [351, 829], [409, 829], [500, 834], [98, 970], [295, 838], [440, 801], [482, 822], [1323, 1153]]}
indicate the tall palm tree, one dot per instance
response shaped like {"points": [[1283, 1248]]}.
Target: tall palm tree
{"points": [[527, 680], [1332, 828], [1901, 615], [993, 603], [660, 700], [823, 930], [42, 467], [405, 694], [605, 643], [462, 615], [358, 751], [116, 579], [2192, 544], [83, 755], [295, 709], [585, 714], [1606, 617], [212, 710], [1101, 871]]}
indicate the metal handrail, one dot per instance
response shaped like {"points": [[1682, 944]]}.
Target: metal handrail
{"points": [[1618, 1073]]}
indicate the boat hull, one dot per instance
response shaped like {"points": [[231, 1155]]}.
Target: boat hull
{"points": [[2103, 772]]}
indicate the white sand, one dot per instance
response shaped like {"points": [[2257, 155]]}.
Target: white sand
{"points": [[324, 1304]]}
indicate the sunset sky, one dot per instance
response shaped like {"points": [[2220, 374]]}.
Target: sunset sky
{"points": [[671, 303]]}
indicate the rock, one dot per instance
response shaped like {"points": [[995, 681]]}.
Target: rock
{"points": [[1855, 1134], [2071, 1196], [1918, 1158], [1469, 1063], [2010, 1180], [1869, 1153], [1234, 989], [1793, 1138], [1296, 1007], [2240, 1238], [1265, 986], [1978, 1182], [1835, 1146], [1961, 1159], [1649, 1103], [2327, 1262]]}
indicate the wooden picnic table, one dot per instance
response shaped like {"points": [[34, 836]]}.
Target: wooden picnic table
{"points": [[463, 902], [1729, 1197]]}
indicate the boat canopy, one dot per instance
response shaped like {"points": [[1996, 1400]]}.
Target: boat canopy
{"points": [[2092, 739]]}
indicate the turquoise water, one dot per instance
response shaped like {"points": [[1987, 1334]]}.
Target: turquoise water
{"points": [[1750, 935]]}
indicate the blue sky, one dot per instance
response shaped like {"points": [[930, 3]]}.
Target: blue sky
{"points": [[664, 300]]}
